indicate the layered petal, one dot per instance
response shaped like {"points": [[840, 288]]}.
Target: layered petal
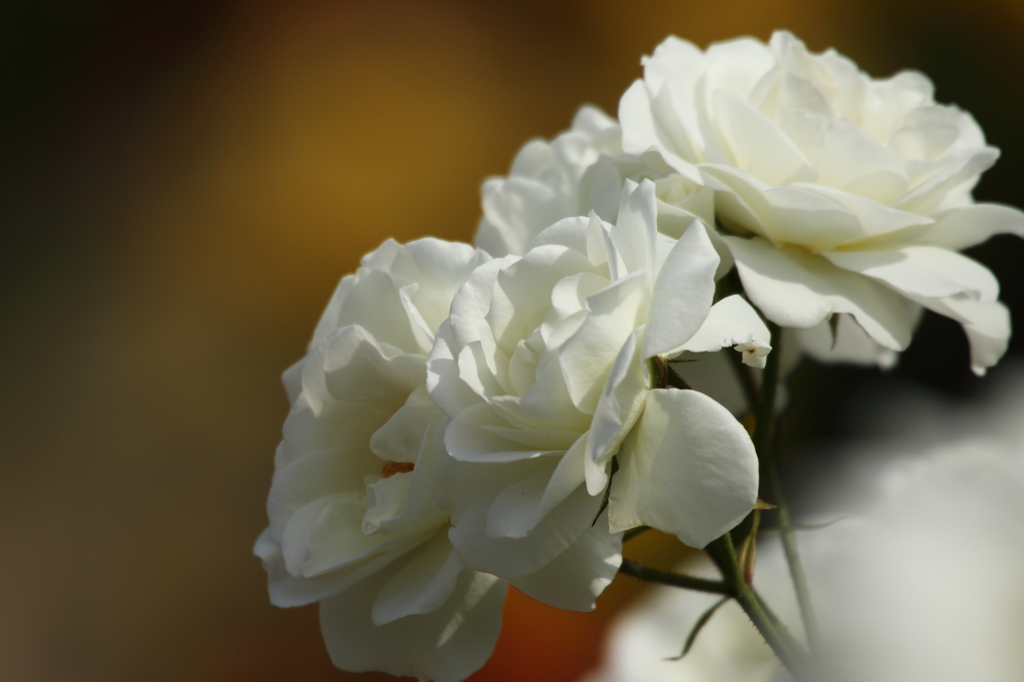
{"points": [[575, 578], [421, 585], [927, 271], [818, 159], [517, 557], [962, 228], [682, 293], [446, 645], [794, 288]]}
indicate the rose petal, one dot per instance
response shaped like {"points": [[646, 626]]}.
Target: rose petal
{"points": [[683, 292], [796, 289], [927, 271], [516, 557], [731, 322], [688, 468], [445, 645], [421, 585], [962, 228], [622, 400], [756, 143], [987, 326], [575, 578], [614, 313]]}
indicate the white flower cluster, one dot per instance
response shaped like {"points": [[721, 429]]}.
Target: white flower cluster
{"points": [[469, 418]]}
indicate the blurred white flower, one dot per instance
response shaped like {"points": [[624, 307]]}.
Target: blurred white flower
{"points": [[543, 184], [584, 170], [353, 520], [542, 367], [844, 194], [922, 583]]}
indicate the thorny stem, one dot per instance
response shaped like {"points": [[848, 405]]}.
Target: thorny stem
{"points": [[779, 625], [723, 554], [764, 409], [766, 452], [785, 647]]}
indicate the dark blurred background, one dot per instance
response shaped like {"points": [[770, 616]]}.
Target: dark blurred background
{"points": [[183, 183]]}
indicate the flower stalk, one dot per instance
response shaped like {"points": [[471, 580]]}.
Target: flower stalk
{"points": [[654, 575], [733, 586], [767, 453], [723, 554]]}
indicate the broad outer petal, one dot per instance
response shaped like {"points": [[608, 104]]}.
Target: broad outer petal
{"points": [[285, 589], [688, 468], [794, 288], [421, 585], [576, 578], [928, 271], [357, 368], [968, 226], [445, 645], [987, 326], [641, 132]]}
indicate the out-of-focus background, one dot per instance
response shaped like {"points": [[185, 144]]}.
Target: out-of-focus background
{"points": [[183, 185]]}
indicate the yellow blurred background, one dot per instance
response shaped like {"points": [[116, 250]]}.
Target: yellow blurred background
{"points": [[183, 185]]}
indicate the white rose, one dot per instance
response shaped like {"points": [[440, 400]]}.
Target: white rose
{"points": [[543, 184], [353, 519], [583, 170], [542, 367], [847, 194]]}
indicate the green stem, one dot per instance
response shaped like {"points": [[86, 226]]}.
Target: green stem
{"points": [[654, 575], [796, 567], [765, 413], [780, 626], [764, 409], [723, 554]]}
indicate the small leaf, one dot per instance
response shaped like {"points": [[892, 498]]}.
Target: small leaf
{"points": [[697, 627], [762, 505]]}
